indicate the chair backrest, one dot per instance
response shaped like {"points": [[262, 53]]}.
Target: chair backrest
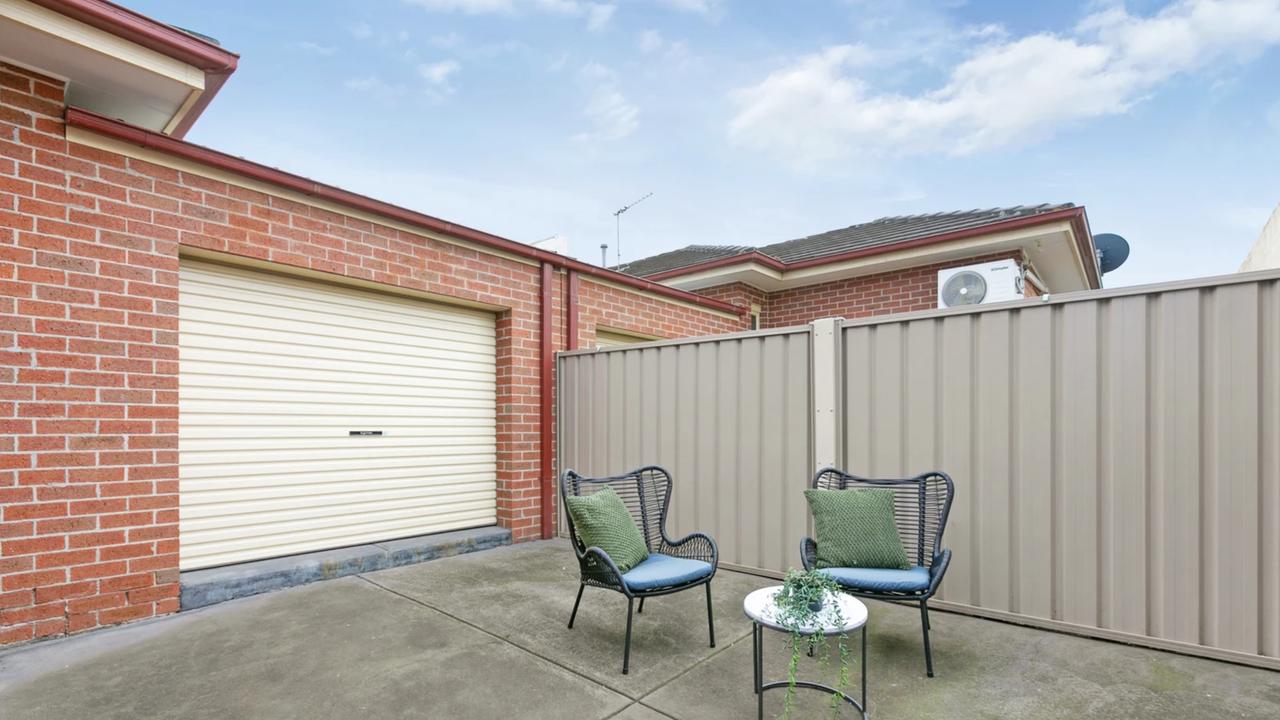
{"points": [[920, 506], [645, 491]]}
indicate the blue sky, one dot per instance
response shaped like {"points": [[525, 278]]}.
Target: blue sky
{"points": [[754, 122]]}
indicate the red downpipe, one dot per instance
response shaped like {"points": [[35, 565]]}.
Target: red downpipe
{"points": [[571, 308], [546, 475]]}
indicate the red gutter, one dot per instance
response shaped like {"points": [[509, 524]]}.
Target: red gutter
{"points": [[1076, 216], [216, 62], [547, 455], [86, 120]]}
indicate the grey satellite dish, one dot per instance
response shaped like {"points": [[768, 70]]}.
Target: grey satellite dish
{"points": [[1112, 250], [964, 288]]}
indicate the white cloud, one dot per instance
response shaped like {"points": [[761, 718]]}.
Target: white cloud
{"points": [[1006, 91], [361, 30], [596, 14], [697, 7], [376, 87], [469, 7], [599, 15], [313, 48], [651, 41], [438, 73], [446, 41], [611, 114]]}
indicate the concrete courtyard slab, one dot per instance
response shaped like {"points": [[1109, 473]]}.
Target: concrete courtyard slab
{"points": [[524, 593], [985, 669], [339, 649], [483, 636]]}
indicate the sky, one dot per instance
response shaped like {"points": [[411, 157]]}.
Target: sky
{"points": [[756, 122]]}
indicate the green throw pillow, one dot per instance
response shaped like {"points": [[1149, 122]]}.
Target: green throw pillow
{"points": [[855, 528], [602, 521]]}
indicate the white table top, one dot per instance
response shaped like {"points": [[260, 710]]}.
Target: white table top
{"points": [[759, 606]]}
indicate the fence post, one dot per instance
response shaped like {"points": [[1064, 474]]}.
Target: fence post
{"points": [[826, 391]]}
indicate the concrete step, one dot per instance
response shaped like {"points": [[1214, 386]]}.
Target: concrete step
{"points": [[215, 585]]}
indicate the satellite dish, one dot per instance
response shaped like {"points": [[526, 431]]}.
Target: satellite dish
{"points": [[964, 288], [1112, 251]]}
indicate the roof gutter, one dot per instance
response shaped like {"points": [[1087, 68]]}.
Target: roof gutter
{"points": [[1076, 217], [102, 125], [216, 62]]}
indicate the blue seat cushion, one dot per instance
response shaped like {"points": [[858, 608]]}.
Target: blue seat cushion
{"points": [[881, 580], [659, 571]]}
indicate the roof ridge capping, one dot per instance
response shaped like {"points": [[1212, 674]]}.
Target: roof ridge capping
{"points": [[1003, 211]]}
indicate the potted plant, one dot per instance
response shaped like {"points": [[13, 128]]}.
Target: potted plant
{"points": [[807, 600]]}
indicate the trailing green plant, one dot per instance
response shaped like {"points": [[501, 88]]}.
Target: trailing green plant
{"points": [[808, 600]]}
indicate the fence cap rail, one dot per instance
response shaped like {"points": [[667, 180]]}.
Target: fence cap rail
{"points": [[1074, 297], [745, 335]]}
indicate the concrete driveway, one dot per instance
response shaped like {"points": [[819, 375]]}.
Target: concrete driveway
{"points": [[483, 636]]}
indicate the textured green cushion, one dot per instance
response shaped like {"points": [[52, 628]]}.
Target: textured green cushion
{"points": [[601, 520], [855, 529]]}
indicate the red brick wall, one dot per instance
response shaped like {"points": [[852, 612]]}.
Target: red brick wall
{"points": [[898, 291], [89, 245]]}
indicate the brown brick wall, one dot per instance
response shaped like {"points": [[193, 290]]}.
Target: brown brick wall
{"points": [[898, 291], [89, 246]]}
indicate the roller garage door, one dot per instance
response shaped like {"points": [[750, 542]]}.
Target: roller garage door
{"points": [[315, 416]]}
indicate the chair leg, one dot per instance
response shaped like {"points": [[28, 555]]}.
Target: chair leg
{"points": [[640, 610], [928, 652], [626, 647], [574, 614], [711, 623]]}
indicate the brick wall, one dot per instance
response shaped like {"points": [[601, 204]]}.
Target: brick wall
{"points": [[89, 246], [898, 291]]}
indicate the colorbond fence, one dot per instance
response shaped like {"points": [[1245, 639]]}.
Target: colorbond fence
{"points": [[1116, 454], [728, 417]]}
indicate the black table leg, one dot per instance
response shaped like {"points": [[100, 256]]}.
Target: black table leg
{"points": [[759, 663], [755, 650]]}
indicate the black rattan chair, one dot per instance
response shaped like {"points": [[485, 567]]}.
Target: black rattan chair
{"points": [[647, 494], [921, 505]]}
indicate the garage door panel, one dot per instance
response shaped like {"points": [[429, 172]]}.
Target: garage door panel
{"points": [[199, 450], [378, 480], [300, 296], [245, 473], [231, 549], [274, 374], [286, 387], [289, 334], [280, 511], [271, 346], [248, 314]]}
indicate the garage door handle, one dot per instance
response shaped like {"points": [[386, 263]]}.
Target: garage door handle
{"points": [[364, 432]]}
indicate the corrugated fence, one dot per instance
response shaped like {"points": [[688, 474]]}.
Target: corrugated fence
{"points": [[1116, 454]]}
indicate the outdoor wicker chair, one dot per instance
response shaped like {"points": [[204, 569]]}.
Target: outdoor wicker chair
{"points": [[921, 505], [672, 566]]}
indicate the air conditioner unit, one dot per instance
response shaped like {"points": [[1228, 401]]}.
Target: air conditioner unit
{"points": [[981, 284]]}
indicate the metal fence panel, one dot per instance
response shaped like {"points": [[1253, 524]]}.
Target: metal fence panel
{"points": [[1115, 456], [728, 416], [1116, 453]]}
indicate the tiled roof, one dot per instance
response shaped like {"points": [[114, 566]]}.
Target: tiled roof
{"points": [[884, 231], [683, 257]]}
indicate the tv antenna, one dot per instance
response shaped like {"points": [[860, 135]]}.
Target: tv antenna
{"points": [[618, 225]]}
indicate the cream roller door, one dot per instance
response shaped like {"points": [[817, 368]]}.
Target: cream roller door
{"points": [[284, 385]]}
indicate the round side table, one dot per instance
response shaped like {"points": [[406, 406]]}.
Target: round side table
{"points": [[762, 611]]}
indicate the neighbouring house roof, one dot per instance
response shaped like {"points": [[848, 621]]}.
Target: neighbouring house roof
{"points": [[684, 257], [883, 232]]}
